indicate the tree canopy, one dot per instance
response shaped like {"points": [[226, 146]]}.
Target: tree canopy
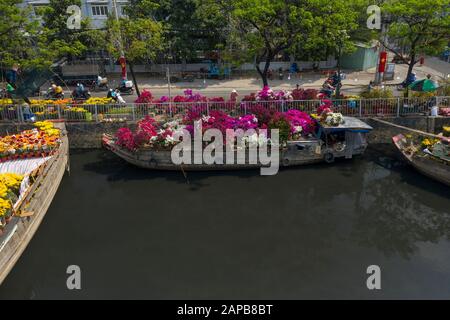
{"points": [[422, 26], [139, 39]]}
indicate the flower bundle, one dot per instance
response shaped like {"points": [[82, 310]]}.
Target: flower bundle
{"points": [[429, 143], [9, 191], [145, 97], [300, 122], [98, 100], [6, 101], [334, 119], [125, 139], [30, 143], [37, 102], [249, 121], [12, 182], [146, 129], [325, 107]]}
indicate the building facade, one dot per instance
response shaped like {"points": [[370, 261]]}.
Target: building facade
{"points": [[96, 10]]}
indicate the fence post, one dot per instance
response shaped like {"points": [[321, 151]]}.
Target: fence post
{"points": [[207, 108], [96, 112], [360, 108], [19, 113], [398, 107], [133, 109], [58, 108]]}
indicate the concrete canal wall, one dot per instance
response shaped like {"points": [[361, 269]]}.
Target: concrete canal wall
{"points": [[87, 135], [384, 131]]}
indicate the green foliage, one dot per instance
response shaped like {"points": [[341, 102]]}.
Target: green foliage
{"points": [[20, 37], [377, 94], [139, 38], [282, 124], [334, 23], [62, 41], [421, 25]]}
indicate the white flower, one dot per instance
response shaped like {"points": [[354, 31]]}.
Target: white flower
{"points": [[255, 119], [298, 129], [253, 139], [169, 139], [262, 140]]}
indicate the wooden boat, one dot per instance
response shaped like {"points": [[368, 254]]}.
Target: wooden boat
{"points": [[321, 147], [33, 207], [427, 164]]}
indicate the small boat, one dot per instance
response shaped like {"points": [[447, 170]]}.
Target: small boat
{"points": [[326, 145], [435, 167]]}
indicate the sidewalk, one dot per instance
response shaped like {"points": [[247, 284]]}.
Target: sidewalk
{"points": [[354, 82]]}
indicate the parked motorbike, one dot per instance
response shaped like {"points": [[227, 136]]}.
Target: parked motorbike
{"points": [[126, 88]]}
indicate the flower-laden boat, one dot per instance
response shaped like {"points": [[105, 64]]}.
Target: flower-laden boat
{"points": [[31, 167], [302, 140], [430, 156]]}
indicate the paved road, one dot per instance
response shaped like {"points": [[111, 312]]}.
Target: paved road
{"points": [[354, 83]]}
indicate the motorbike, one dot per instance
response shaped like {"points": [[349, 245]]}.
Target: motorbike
{"points": [[412, 77], [126, 88], [100, 85], [81, 95], [52, 95]]}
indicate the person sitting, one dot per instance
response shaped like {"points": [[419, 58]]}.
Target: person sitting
{"points": [[327, 88]]}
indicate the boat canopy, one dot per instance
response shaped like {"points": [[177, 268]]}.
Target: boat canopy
{"points": [[351, 124]]}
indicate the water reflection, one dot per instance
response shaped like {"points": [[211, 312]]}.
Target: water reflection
{"points": [[397, 208]]}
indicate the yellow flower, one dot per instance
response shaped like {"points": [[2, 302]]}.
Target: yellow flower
{"points": [[5, 205], [11, 180], [3, 190]]}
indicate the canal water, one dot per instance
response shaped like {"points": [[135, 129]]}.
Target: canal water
{"points": [[308, 232]]}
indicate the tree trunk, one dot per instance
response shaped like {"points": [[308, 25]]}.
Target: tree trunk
{"points": [[412, 63], [134, 79], [411, 66], [338, 87], [263, 73]]}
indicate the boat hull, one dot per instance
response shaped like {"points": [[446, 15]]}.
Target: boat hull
{"points": [[161, 159]]}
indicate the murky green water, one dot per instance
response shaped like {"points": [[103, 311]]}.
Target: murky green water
{"points": [[309, 232]]}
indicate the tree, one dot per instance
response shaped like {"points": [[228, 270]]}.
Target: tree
{"points": [[63, 41], [137, 38], [20, 37], [334, 22], [264, 29], [421, 25]]}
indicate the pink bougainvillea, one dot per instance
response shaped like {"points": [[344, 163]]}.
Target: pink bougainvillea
{"points": [[300, 119], [125, 139], [146, 129], [145, 97]]}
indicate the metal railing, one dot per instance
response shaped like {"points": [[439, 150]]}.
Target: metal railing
{"points": [[393, 107]]}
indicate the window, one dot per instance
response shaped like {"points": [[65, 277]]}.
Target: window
{"points": [[99, 10]]}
